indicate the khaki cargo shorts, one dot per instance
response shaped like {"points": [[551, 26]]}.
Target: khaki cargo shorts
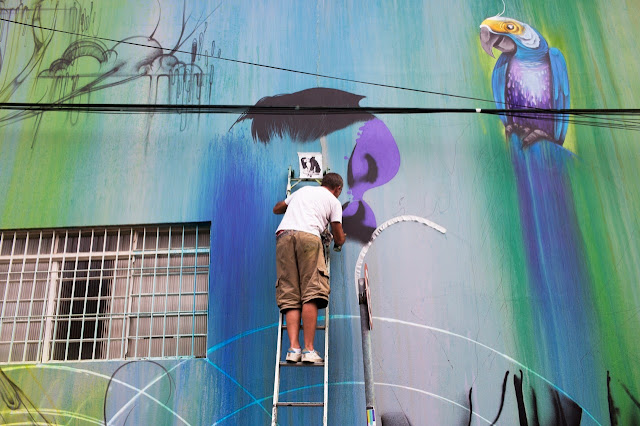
{"points": [[302, 272]]}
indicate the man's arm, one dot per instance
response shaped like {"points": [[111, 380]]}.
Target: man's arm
{"points": [[338, 234], [280, 207]]}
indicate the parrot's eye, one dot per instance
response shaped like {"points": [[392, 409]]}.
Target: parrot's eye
{"points": [[511, 27]]}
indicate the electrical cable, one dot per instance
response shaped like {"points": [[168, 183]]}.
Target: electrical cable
{"points": [[544, 115], [273, 67], [538, 113]]}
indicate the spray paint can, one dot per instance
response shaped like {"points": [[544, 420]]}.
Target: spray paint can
{"points": [[371, 416]]}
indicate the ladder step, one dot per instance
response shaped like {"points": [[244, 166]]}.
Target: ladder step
{"points": [[319, 327], [301, 364], [300, 404]]}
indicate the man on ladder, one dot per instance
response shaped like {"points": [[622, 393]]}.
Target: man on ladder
{"points": [[303, 280]]}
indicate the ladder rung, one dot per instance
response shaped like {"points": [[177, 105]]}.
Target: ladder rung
{"points": [[300, 404], [301, 364], [320, 327]]}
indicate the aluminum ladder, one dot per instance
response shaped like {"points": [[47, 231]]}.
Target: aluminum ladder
{"points": [[291, 183]]}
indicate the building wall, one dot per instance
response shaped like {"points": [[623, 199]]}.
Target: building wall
{"points": [[526, 309]]}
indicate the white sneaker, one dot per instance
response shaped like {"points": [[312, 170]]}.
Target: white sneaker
{"points": [[294, 355], [312, 357]]}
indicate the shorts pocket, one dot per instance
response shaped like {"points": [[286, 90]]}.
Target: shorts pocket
{"points": [[322, 268], [323, 275]]}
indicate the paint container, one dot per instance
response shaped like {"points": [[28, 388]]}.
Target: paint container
{"points": [[371, 416]]}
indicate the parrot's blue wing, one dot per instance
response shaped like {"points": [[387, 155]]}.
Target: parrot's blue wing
{"points": [[498, 83], [560, 92]]}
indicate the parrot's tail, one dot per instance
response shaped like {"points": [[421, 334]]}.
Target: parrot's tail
{"points": [[553, 246]]}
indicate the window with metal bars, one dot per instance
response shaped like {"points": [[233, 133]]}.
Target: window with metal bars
{"points": [[104, 293]]}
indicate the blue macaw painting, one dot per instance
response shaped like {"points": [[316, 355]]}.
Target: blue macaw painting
{"points": [[529, 74], [490, 190]]}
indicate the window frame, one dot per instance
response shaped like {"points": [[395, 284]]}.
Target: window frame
{"points": [[136, 270]]}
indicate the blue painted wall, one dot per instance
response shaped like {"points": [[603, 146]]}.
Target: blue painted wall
{"points": [[526, 308]]}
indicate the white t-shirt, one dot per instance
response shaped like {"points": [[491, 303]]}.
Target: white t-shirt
{"points": [[310, 209]]}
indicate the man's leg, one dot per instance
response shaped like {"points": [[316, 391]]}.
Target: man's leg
{"points": [[309, 321], [288, 288], [314, 288], [293, 327]]}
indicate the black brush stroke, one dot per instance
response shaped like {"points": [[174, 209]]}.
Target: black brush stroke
{"points": [[522, 409], [504, 392], [635, 401], [19, 401], [304, 127], [534, 402], [372, 170], [354, 225], [470, 407], [557, 409], [614, 412]]}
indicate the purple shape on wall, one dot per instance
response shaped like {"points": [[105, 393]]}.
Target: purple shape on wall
{"points": [[375, 160]]}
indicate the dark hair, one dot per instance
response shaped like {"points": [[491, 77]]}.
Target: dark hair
{"points": [[332, 180]]}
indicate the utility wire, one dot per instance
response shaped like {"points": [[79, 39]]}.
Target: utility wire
{"points": [[255, 64], [314, 110], [574, 116], [141, 108]]}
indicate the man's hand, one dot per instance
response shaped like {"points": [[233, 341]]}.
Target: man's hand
{"points": [[280, 207]]}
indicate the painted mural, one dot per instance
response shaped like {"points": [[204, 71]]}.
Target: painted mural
{"points": [[506, 291]]}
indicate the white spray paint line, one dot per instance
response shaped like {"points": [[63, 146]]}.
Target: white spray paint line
{"points": [[504, 9], [436, 396], [505, 356], [379, 229]]}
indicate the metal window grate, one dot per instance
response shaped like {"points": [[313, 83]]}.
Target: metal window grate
{"points": [[104, 293]]}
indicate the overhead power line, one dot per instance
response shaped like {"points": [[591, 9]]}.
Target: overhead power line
{"points": [[255, 64], [583, 117], [587, 117], [289, 110]]}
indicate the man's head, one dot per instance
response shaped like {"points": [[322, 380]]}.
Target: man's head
{"points": [[333, 182]]}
